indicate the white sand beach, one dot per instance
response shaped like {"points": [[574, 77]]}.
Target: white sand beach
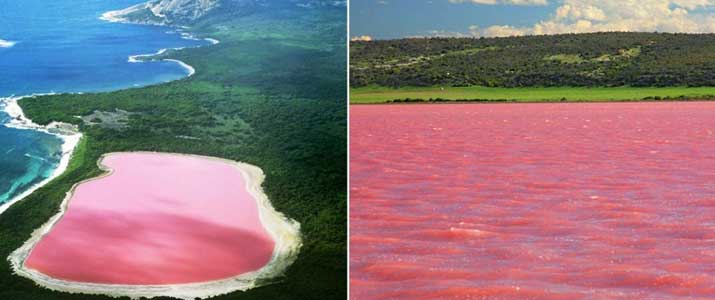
{"points": [[67, 132]]}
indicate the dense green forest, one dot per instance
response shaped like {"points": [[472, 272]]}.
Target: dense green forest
{"points": [[592, 59], [272, 94]]}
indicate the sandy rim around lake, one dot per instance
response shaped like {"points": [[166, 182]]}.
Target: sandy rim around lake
{"points": [[284, 231], [69, 134]]}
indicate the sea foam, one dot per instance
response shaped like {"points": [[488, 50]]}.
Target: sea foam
{"points": [[6, 44]]}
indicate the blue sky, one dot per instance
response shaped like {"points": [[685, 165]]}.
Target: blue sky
{"points": [[385, 19], [400, 18]]}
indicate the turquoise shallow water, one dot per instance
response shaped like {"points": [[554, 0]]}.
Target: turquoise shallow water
{"points": [[26, 157], [62, 46]]}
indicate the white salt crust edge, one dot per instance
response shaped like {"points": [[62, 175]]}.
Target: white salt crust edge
{"points": [[284, 231]]}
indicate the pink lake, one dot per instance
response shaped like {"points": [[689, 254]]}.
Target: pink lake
{"points": [[533, 201], [157, 219]]}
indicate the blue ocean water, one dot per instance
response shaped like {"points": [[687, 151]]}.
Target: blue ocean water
{"points": [[63, 46]]}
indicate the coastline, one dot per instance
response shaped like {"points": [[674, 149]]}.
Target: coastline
{"points": [[113, 17], [69, 134], [284, 231], [139, 58], [186, 66], [71, 138]]}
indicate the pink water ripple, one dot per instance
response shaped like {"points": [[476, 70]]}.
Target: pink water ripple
{"points": [[533, 201], [157, 219]]}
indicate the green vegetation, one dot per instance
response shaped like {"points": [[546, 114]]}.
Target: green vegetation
{"points": [[566, 58], [578, 60], [272, 94], [374, 94]]}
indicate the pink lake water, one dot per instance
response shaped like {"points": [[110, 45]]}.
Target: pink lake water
{"points": [[533, 201], [157, 219]]}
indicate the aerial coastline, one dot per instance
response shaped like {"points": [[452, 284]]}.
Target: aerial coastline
{"points": [[67, 132], [284, 232], [150, 57]]}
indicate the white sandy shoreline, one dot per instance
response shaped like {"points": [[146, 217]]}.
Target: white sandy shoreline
{"points": [[184, 65], [113, 16], [184, 35], [284, 231], [68, 133], [140, 58]]}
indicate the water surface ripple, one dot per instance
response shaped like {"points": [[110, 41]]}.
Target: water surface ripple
{"points": [[533, 201]]}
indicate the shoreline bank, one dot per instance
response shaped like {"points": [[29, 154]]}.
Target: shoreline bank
{"points": [[284, 231], [68, 133], [112, 17], [140, 58]]}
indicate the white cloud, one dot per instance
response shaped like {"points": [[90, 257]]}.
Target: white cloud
{"points": [[497, 30], [441, 33], [507, 2], [6, 44], [362, 38], [577, 16]]}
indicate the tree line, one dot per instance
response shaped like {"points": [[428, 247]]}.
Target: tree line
{"points": [[591, 59]]}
